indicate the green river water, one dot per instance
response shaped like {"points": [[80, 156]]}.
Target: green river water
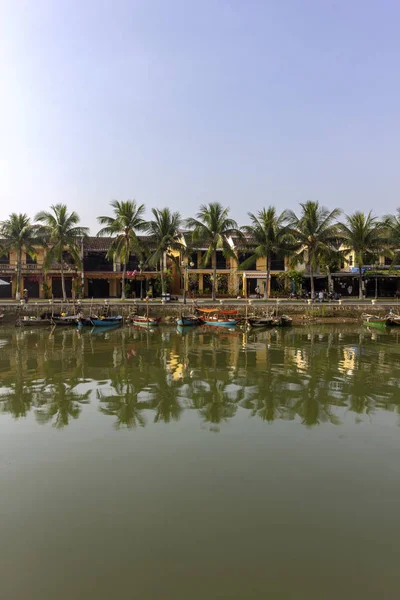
{"points": [[201, 465]]}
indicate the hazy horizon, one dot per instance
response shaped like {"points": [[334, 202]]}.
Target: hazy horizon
{"points": [[180, 104]]}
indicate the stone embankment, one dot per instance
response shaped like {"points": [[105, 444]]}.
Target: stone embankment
{"points": [[327, 312]]}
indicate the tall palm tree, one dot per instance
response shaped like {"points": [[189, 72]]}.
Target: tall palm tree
{"points": [[62, 233], [165, 238], [365, 235], [127, 219], [268, 234], [213, 227], [392, 223], [314, 232], [19, 234]]}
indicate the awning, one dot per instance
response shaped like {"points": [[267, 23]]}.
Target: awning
{"points": [[255, 274], [2, 282]]}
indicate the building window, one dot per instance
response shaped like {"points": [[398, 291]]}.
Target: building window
{"points": [[30, 260], [244, 256], [351, 261], [5, 259]]}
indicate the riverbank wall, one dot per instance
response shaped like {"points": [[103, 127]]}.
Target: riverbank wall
{"points": [[299, 311]]}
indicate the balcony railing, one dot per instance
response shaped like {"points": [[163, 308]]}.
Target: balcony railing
{"points": [[7, 268]]}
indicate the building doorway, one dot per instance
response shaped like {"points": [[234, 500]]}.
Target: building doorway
{"points": [[32, 286], [56, 287], [6, 290], [98, 288]]}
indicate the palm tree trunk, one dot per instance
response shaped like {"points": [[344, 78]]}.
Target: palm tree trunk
{"points": [[18, 290], [312, 281], [330, 285], [123, 280], [214, 283], [360, 291], [162, 276], [64, 294], [267, 289]]}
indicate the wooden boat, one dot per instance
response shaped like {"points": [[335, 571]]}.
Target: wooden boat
{"points": [[374, 321], [145, 321], [33, 322], [188, 321], [65, 321], [261, 322], [107, 321], [283, 321], [218, 317], [85, 321], [393, 320]]}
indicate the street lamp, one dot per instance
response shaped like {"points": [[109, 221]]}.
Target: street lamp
{"points": [[141, 279], [185, 266]]}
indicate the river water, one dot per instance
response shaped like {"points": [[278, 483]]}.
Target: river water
{"points": [[200, 465]]}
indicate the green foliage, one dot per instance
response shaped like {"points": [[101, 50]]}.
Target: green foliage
{"points": [[314, 233], [127, 289], [269, 236], [61, 232], [77, 287], [19, 235], [292, 276], [127, 220], [212, 227], [366, 236], [166, 240], [46, 290]]}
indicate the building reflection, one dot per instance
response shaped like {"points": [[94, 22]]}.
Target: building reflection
{"points": [[309, 375]]}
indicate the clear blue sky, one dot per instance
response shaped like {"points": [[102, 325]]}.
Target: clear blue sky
{"points": [[181, 102]]}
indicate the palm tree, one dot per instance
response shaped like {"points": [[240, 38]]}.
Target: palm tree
{"points": [[213, 227], [314, 232], [61, 232], [392, 222], [268, 234], [364, 235], [127, 219], [19, 234], [165, 238]]}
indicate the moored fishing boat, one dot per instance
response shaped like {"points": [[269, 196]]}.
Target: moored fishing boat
{"points": [[261, 321], [107, 321], [33, 322], [188, 321], [374, 321], [393, 320], [64, 320], [145, 321], [218, 317], [85, 321]]}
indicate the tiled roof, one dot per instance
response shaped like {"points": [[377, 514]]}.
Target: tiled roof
{"points": [[97, 244], [102, 244]]}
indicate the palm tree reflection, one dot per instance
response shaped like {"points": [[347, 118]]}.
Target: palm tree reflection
{"points": [[313, 376]]}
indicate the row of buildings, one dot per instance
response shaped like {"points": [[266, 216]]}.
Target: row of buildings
{"points": [[100, 277]]}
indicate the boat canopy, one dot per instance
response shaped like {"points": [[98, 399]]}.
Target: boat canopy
{"points": [[217, 310]]}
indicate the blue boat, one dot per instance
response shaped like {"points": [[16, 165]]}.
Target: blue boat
{"points": [[107, 321], [188, 321], [221, 323]]}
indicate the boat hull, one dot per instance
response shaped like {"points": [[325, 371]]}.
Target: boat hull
{"points": [[34, 323], [146, 321], [107, 322], [376, 324], [231, 323], [65, 321], [188, 321]]}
